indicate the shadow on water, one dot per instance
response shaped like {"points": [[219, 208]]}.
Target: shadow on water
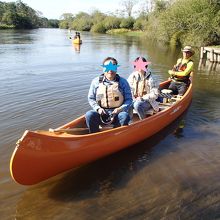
{"points": [[112, 172]]}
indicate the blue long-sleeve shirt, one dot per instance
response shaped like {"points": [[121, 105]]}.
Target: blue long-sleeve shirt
{"points": [[123, 87]]}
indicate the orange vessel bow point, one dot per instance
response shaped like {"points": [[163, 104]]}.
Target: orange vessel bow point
{"points": [[40, 155]]}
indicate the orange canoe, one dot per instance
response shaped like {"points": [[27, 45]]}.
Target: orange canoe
{"points": [[40, 155]]}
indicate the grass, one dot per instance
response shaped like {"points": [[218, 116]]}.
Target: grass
{"points": [[5, 26], [216, 46], [118, 31], [125, 31]]}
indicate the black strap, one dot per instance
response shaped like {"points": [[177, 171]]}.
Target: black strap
{"points": [[102, 76], [149, 74]]}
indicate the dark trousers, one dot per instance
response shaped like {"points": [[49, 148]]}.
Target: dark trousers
{"points": [[93, 120], [178, 88]]}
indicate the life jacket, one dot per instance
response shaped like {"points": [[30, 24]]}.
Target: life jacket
{"points": [[109, 95], [181, 67], [140, 86]]}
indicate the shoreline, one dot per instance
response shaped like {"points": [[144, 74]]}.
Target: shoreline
{"points": [[127, 32], [6, 27]]}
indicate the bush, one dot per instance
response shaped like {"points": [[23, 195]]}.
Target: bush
{"points": [[64, 24], [97, 17], [187, 22], [81, 24], [98, 28], [5, 26], [112, 22], [127, 23], [139, 24], [118, 31]]}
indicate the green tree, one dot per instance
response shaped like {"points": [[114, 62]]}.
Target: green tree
{"points": [[112, 22], [49, 23], [66, 20], [187, 22], [98, 28], [97, 16], [2, 10], [19, 15], [82, 22], [160, 5], [141, 21], [10, 18], [127, 23], [28, 17]]}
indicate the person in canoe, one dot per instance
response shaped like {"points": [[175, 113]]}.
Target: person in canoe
{"points": [[181, 72], [143, 87], [77, 35], [109, 95]]}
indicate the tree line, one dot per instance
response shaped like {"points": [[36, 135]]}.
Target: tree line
{"points": [[177, 22], [21, 16]]}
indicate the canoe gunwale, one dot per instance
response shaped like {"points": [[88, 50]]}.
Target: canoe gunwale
{"points": [[113, 130]]}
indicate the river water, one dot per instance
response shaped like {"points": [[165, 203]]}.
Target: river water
{"points": [[44, 82]]}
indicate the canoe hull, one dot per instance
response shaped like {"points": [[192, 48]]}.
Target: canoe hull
{"points": [[38, 157]]}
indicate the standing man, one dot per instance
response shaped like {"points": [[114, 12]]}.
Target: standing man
{"points": [[181, 72], [109, 94]]}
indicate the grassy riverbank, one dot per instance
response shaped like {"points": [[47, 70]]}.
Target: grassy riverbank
{"points": [[215, 46], [125, 31], [5, 26]]}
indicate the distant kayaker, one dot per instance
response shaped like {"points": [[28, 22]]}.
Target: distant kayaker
{"points": [[143, 87], [181, 72], [109, 94], [77, 35]]}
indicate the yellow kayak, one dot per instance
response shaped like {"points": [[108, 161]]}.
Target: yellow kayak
{"points": [[77, 41]]}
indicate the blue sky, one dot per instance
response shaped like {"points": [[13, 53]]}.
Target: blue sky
{"points": [[55, 8]]}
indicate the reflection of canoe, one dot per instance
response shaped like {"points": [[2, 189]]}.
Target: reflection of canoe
{"points": [[40, 155], [77, 47], [77, 41]]}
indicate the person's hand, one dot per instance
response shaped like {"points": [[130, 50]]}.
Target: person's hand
{"points": [[174, 67], [116, 111], [101, 111], [139, 98], [171, 72]]}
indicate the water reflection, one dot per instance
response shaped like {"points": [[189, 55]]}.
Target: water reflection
{"points": [[208, 67], [179, 130], [17, 37], [77, 47]]}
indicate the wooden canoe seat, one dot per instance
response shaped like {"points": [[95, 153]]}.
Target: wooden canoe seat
{"points": [[149, 112], [105, 127]]}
